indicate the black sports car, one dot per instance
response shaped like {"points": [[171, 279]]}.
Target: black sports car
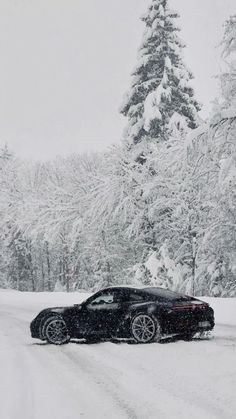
{"points": [[144, 315]]}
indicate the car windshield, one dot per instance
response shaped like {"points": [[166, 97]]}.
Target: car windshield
{"points": [[163, 293]]}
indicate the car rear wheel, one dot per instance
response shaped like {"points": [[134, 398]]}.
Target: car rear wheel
{"points": [[188, 336], [145, 328], [55, 331]]}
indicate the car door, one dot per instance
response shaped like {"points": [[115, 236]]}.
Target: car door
{"points": [[99, 314]]}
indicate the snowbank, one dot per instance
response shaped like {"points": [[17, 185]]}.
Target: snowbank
{"points": [[224, 308]]}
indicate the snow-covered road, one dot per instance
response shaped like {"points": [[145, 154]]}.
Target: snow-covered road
{"points": [[107, 380]]}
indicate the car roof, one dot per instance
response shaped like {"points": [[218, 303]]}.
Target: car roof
{"points": [[122, 287], [154, 292]]}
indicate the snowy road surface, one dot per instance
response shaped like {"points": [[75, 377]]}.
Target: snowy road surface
{"points": [[107, 380]]}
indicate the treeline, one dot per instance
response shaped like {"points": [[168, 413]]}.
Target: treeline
{"points": [[159, 209]]}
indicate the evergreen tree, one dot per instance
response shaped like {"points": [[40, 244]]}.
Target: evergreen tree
{"points": [[160, 94]]}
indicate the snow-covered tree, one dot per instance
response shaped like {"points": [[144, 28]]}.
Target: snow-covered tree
{"points": [[220, 235], [220, 242], [161, 96], [5, 154], [228, 77]]}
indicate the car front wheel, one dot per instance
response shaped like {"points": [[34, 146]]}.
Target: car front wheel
{"points": [[55, 331], [145, 328]]}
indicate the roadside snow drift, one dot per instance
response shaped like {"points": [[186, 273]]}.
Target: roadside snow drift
{"points": [[174, 380]]}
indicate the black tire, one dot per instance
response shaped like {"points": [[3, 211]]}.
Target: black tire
{"points": [[92, 339], [55, 330], [188, 336], [145, 328]]}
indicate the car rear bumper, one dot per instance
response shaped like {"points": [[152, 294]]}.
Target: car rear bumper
{"points": [[192, 320]]}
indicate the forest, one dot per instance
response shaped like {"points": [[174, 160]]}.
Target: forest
{"points": [[159, 208]]}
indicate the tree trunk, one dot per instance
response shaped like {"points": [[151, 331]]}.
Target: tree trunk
{"points": [[49, 284]]}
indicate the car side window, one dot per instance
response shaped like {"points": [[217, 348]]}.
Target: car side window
{"points": [[103, 299], [135, 297], [119, 296]]}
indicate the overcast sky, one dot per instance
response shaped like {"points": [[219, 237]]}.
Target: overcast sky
{"points": [[65, 65]]}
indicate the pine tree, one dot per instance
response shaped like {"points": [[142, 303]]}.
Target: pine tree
{"points": [[160, 92]]}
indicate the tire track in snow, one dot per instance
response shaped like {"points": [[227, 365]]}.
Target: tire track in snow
{"points": [[197, 395], [84, 385], [106, 381], [137, 386]]}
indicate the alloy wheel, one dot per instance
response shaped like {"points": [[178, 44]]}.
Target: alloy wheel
{"points": [[56, 331], [144, 328]]}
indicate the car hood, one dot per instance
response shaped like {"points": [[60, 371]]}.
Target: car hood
{"points": [[59, 310]]}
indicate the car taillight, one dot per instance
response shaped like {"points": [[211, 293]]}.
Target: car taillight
{"points": [[190, 306]]}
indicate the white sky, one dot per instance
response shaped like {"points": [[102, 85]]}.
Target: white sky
{"points": [[65, 65]]}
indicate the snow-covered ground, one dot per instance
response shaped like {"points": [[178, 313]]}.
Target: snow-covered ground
{"points": [[107, 380]]}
